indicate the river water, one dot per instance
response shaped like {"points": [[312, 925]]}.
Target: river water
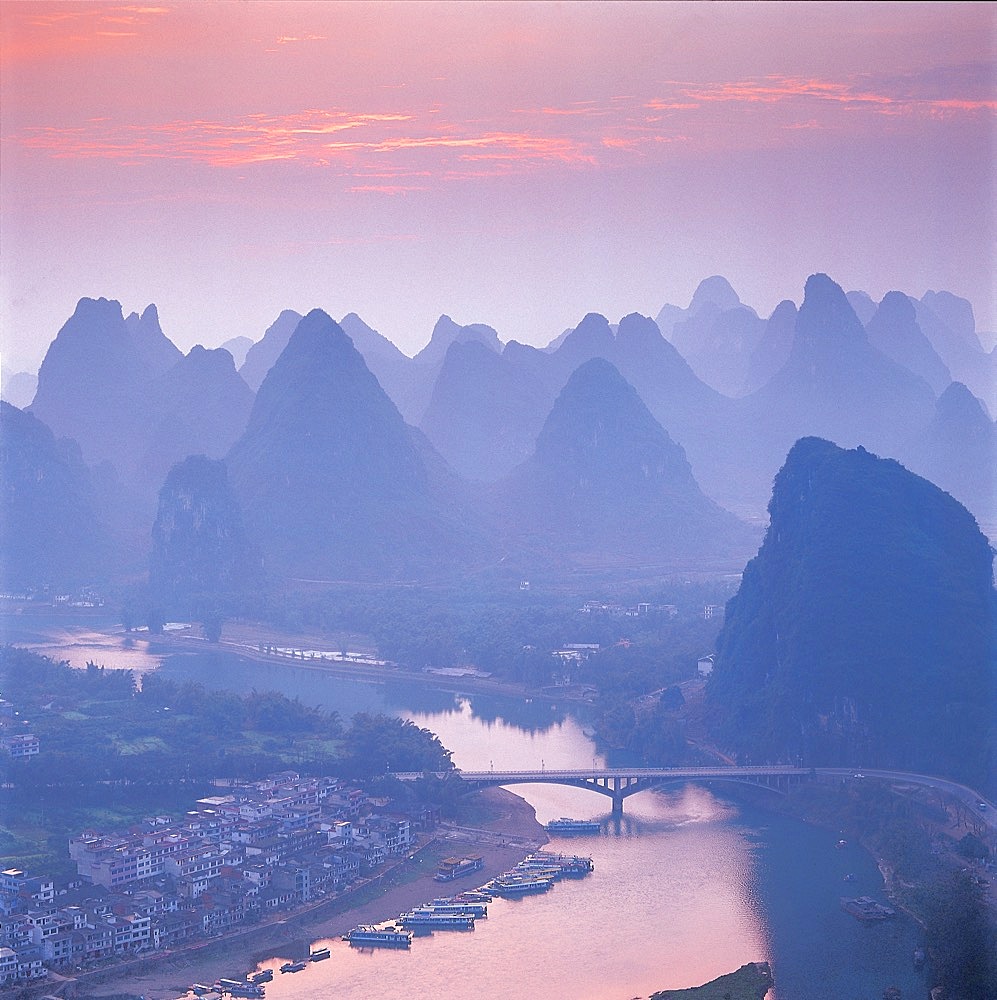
{"points": [[688, 884]]}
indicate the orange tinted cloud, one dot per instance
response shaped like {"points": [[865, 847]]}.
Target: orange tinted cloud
{"points": [[34, 30], [302, 137]]}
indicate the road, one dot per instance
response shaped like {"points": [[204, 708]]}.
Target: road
{"points": [[966, 796]]}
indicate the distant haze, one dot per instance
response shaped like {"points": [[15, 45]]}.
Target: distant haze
{"points": [[518, 165]]}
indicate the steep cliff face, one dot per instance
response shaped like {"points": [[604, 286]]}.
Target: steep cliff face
{"points": [[50, 532], [862, 630], [199, 544]]}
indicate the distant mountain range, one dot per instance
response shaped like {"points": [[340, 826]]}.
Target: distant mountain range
{"points": [[607, 486], [349, 459], [332, 481]]}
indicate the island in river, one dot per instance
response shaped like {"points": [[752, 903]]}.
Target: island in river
{"points": [[750, 982]]}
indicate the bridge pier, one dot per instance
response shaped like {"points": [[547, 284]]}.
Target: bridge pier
{"points": [[617, 805]]}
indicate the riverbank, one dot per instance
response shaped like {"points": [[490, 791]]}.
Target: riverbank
{"points": [[506, 831], [245, 638]]}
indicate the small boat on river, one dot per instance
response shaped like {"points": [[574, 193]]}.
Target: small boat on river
{"points": [[568, 825]]}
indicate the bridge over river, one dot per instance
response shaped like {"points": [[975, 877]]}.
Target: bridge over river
{"points": [[621, 782]]}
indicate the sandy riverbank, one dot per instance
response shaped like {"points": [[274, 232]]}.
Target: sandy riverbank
{"points": [[504, 838]]}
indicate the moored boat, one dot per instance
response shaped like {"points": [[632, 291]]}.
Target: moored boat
{"points": [[451, 868], [390, 937], [250, 990], [568, 825], [319, 954], [570, 864], [424, 917], [473, 896], [465, 909], [512, 885]]}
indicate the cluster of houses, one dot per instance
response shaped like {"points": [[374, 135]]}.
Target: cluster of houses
{"points": [[86, 597], [618, 610], [14, 741], [263, 847], [708, 612]]}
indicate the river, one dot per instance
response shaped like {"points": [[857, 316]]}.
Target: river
{"points": [[689, 884]]}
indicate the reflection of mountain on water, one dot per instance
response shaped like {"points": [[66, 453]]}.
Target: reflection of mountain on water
{"points": [[530, 716], [422, 700], [419, 698], [219, 670]]}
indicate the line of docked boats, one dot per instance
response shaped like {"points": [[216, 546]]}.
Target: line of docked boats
{"points": [[536, 873]]}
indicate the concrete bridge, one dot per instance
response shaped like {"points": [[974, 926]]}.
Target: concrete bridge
{"points": [[621, 782]]}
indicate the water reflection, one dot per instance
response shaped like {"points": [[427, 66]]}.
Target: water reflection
{"points": [[79, 639], [687, 887], [512, 739], [668, 905]]}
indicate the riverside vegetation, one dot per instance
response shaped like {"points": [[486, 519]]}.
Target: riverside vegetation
{"points": [[153, 749]]}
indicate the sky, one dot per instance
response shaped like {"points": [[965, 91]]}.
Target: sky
{"points": [[516, 164]]}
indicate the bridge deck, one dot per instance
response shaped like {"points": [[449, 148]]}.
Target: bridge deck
{"points": [[592, 774], [621, 782]]}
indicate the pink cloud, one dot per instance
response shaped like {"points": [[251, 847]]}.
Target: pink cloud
{"points": [[853, 95], [386, 188], [301, 137]]}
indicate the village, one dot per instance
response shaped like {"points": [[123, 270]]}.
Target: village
{"points": [[254, 850]]}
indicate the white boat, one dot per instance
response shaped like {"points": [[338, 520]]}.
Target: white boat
{"points": [[452, 906], [424, 917], [514, 885]]}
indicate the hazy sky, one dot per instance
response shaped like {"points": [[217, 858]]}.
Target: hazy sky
{"points": [[512, 164]]}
